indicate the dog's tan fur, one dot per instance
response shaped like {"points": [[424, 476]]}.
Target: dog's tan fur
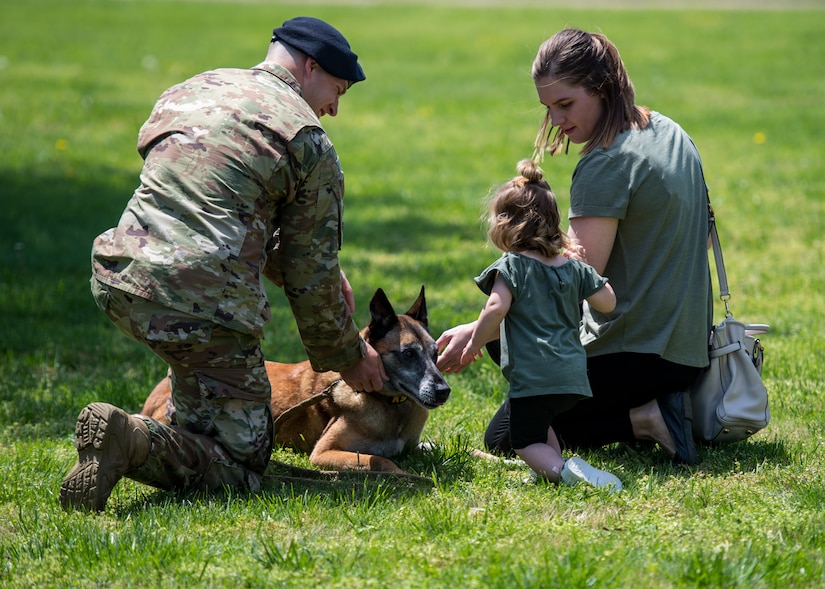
{"points": [[346, 429]]}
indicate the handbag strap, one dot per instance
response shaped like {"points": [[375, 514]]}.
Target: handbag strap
{"points": [[724, 293]]}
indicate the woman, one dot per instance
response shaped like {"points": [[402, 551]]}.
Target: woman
{"points": [[638, 215]]}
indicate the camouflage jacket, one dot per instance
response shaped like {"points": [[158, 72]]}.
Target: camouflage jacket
{"points": [[239, 181]]}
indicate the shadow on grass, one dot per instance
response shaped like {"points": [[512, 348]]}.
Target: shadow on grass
{"points": [[744, 456], [425, 469], [715, 459], [438, 466], [340, 490], [48, 223]]}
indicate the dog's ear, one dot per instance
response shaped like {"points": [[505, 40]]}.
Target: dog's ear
{"points": [[418, 311], [382, 316]]}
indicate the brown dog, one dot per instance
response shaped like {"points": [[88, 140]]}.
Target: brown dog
{"points": [[320, 414]]}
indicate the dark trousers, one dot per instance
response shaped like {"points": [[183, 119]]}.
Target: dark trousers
{"points": [[619, 382]]}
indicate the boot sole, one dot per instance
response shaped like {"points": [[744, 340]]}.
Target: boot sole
{"points": [[87, 486]]}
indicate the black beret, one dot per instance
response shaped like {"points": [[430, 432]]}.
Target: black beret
{"points": [[323, 43]]}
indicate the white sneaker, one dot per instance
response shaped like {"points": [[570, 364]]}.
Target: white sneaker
{"points": [[532, 478], [577, 471]]}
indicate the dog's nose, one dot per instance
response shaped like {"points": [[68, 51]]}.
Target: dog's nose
{"points": [[442, 392]]}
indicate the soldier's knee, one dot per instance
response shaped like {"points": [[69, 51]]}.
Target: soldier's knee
{"points": [[246, 432]]}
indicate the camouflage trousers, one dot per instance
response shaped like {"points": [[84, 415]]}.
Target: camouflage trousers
{"points": [[221, 431]]}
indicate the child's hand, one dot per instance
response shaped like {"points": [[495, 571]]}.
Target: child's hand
{"points": [[450, 344], [470, 354]]}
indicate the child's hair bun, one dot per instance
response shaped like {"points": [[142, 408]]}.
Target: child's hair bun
{"points": [[528, 170]]}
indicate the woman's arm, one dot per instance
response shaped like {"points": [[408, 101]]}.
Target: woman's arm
{"points": [[595, 236]]}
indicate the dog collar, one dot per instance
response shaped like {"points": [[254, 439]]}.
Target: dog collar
{"points": [[394, 400]]}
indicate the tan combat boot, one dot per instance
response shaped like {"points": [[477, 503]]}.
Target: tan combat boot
{"points": [[110, 443]]}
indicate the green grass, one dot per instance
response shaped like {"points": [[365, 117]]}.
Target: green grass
{"points": [[446, 111]]}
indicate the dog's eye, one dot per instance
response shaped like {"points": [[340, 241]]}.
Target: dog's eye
{"points": [[408, 354]]}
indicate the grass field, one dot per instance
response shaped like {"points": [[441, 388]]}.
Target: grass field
{"points": [[447, 110]]}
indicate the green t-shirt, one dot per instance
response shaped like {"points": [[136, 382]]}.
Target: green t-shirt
{"points": [[540, 349], [651, 181]]}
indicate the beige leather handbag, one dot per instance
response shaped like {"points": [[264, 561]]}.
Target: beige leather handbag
{"points": [[729, 399]]}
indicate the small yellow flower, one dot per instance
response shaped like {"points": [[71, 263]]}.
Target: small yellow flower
{"points": [[61, 145], [759, 138]]}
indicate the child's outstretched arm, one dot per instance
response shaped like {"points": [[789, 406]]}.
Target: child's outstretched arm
{"points": [[603, 300], [487, 328]]}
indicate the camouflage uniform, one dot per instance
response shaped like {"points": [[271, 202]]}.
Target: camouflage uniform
{"points": [[240, 181]]}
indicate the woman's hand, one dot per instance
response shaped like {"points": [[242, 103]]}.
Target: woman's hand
{"points": [[576, 251]]}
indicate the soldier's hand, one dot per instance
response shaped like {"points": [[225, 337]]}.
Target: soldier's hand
{"points": [[368, 374]]}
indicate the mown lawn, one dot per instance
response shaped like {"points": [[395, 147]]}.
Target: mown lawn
{"points": [[447, 110]]}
